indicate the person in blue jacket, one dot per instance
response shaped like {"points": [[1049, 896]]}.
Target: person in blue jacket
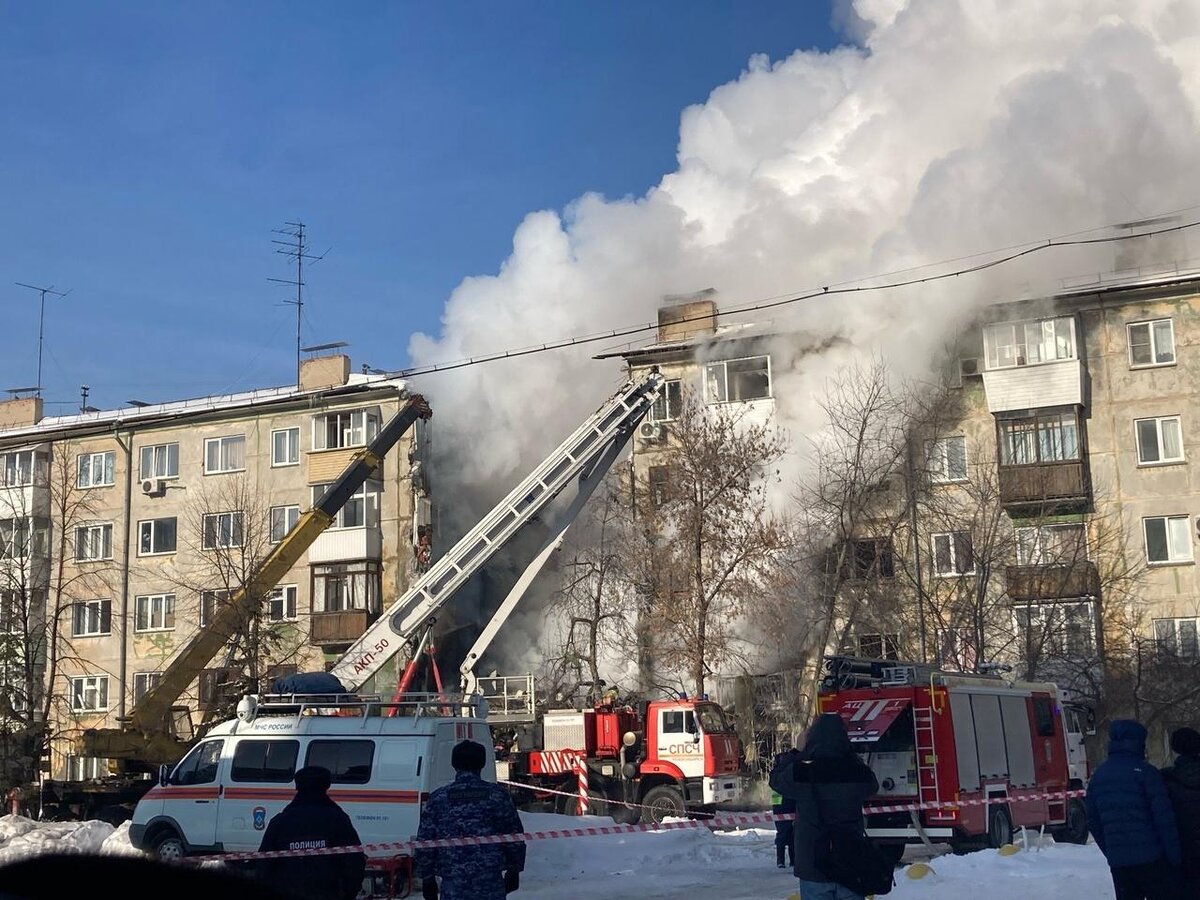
{"points": [[1129, 814]]}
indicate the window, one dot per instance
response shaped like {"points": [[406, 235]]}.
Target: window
{"points": [[1011, 344], [285, 447], [738, 380], [217, 687], [871, 558], [1168, 539], [948, 459], [1159, 440], [351, 428], [144, 683], [156, 536], [96, 469], [361, 510], [89, 693], [86, 768], [273, 762], [91, 617], [1043, 716], [93, 542], [225, 454], [1051, 545], [160, 461], [342, 586], [1151, 343], [209, 603], [678, 721], [1044, 438], [281, 603], [20, 467], [668, 404], [348, 761], [222, 530], [200, 766], [1063, 631], [283, 520], [953, 553], [14, 539], [12, 614], [155, 613], [1177, 638], [879, 646], [658, 480]]}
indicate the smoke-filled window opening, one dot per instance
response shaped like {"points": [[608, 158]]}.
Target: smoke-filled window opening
{"points": [[669, 403], [879, 646], [338, 587], [1011, 344], [870, 558], [738, 380]]}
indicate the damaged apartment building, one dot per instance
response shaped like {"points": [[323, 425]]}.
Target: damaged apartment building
{"points": [[1045, 514], [122, 530]]}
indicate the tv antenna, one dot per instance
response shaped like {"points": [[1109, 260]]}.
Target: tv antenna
{"points": [[294, 245], [41, 321]]}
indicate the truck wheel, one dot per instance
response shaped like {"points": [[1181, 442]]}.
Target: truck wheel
{"points": [[597, 805], [1076, 829], [661, 803], [1000, 829], [168, 847]]}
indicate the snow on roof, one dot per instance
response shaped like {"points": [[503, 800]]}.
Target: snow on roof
{"points": [[199, 405]]}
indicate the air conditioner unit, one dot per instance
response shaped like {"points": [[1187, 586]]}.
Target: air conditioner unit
{"points": [[969, 366], [653, 432], [153, 487]]}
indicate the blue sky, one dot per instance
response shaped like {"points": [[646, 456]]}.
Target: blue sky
{"points": [[149, 149]]}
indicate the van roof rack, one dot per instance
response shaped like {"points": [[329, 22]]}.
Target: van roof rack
{"points": [[364, 705]]}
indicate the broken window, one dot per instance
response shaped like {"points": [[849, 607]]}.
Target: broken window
{"points": [[738, 380], [871, 558], [879, 646], [658, 479]]}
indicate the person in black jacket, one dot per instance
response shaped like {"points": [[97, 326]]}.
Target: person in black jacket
{"points": [[1183, 787], [785, 830], [1130, 816], [829, 784], [312, 821]]}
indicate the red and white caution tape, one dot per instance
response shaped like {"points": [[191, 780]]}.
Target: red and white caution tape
{"points": [[712, 824]]}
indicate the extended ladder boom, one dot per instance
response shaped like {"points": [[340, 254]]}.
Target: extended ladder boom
{"points": [[594, 445]]}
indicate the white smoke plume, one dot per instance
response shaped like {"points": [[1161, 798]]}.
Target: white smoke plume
{"points": [[944, 128]]}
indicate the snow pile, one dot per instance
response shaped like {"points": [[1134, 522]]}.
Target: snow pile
{"points": [[21, 838], [118, 844]]}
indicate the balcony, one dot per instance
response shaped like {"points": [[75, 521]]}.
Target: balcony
{"points": [[343, 627], [1053, 582], [1058, 485], [338, 544], [1057, 383]]}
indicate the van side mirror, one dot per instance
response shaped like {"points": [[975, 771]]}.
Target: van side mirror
{"points": [[164, 775], [696, 738]]}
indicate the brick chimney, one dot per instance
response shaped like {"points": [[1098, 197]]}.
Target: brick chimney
{"points": [[20, 412], [687, 315], [324, 372]]}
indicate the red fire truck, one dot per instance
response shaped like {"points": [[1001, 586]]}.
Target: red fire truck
{"points": [[668, 756], [952, 742]]}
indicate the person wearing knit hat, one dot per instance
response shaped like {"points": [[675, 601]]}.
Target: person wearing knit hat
{"points": [[1183, 786]]}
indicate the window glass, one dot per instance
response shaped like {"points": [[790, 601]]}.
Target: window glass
{"points": [[199, 766], [349, 762], [265, 761]]}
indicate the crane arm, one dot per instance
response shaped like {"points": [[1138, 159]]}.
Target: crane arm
{"points": [[600, 437], [151, 714]]}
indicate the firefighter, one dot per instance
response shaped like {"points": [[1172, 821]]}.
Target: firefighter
{"points": [[313, 821], [1129, 814], [1183, 786], [469, 807], [781, 805]]}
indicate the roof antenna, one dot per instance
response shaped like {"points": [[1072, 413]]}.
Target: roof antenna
{"points": [[295, 247], [41, 321]]}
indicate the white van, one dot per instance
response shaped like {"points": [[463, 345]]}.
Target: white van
{"points": [[385, 759]]}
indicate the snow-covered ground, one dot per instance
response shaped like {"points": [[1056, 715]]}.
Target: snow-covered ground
{"points": [[674, 865]]}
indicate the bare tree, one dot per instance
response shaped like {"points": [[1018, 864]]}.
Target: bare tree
{"points": [[713, 539]]}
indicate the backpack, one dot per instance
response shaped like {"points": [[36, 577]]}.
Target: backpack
{"points": [[853, 861]]}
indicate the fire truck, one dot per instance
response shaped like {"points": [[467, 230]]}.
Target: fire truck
{"points": [[980, 755], [664, 758]]}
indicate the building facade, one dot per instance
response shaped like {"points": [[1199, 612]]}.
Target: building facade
{"points": [[1045, 511], [125, 530]]}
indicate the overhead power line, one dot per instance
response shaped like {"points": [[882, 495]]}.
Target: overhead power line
{"points": [[776, 302]]}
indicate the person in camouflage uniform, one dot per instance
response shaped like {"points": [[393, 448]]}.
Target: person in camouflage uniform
{"points": [[469, 807]]}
